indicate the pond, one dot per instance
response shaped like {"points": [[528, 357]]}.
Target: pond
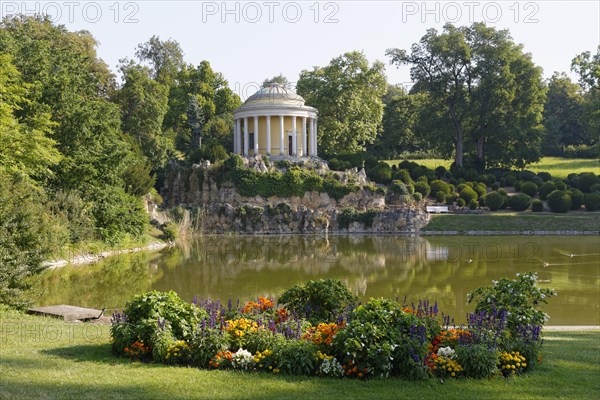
{"points": [[442, 269]]}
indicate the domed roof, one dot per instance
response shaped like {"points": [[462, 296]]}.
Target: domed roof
{"points": [[277, 94]]}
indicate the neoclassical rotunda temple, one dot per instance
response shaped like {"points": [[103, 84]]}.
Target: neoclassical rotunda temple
{"points": [[275, 122]]}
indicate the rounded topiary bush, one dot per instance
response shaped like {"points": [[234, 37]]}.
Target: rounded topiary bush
{"points": [[460, 202], [494, 200], [577, 198], [595, 188], [509, 179], [450, 200], [547, 188], [518, 185], [381, 173], [468, 194], [403, 175], [473, 205], [537, 205], [399, 187], [441, 171], [559, 201], [423, 188], [529, 188], [440, 196], [480, 189], [592, 202], [545, 176], [439, 185], [495, 186], [417, 196], [560, 184], [586, 180], [519, 202]]}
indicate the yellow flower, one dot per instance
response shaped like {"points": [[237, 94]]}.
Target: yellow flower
{"points": [[453, 374]]}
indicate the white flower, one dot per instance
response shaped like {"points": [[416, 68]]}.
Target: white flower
{"points": [[446, 352], [242, 359]]}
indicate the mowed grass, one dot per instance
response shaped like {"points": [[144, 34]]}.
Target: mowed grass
{"points": [[558, 167], [515, 221], [45, 358]]}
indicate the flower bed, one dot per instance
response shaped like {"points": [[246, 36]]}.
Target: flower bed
{"points": [[380, 338]]}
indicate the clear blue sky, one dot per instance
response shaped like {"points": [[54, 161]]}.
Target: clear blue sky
{"points": [[250, 41]]}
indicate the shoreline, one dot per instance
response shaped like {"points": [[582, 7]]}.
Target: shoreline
{"points": [[507, 233], [92, 258]]}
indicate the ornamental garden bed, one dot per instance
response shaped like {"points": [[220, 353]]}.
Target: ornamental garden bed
{"points": [[319, 329]]}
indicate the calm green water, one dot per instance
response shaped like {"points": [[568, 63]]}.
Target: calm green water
{"points": [[442, 269]]}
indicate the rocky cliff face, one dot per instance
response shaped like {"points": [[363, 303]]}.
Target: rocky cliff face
{"points": [[221, 209]]}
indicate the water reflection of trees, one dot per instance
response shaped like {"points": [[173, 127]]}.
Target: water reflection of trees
{"points": [[442, 269]]}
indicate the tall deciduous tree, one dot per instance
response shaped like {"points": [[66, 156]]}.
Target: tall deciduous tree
{"points": [[282, 80], [347, 93], [588, 68], [143, 103], [491, 92], [562, 115], [164, 56]]}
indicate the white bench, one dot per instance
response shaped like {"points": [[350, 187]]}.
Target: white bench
{"points": [[438, 209]]}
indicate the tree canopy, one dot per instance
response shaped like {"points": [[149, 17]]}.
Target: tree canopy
{"points": [[348, 94], [484, 87]]}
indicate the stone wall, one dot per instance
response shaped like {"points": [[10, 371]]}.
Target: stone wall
{"points": [[221, 209]]}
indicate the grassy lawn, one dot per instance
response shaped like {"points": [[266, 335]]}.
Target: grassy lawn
{"points": [[558, 167], [45, 358], [512, 221]]}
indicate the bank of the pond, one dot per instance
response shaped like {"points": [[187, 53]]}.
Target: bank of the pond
{"points": [[89, 258], [50, 359], [512, 223]]}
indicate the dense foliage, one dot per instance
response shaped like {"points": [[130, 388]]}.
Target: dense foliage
{"points": [[323, 332]]}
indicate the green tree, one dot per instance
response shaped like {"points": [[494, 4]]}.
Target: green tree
{"points": [[490, 92], [282, 80], [399, 123], [562, 115], [195, 118], [347, 93], [143, 103], [588, 68], [164, 56]]}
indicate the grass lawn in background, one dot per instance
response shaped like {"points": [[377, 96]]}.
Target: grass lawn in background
{"points": [[558, 167], [50, 359], [515, 221]]}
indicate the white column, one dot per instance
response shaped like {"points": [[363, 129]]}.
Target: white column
{"points": [[256, 135], [268, 135], [312, 137], [294, 137], [238, 135], [281, 135], [246, 136], [316, 150], [304, 140]]}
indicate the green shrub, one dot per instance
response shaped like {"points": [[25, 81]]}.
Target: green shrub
{"points": [[417, 196], [518, 185], [595, 188], [296, 357], [439, 186], [473, 205], [398, 187], [318, 301], [519, 297], [494, 200], [417, 171], [529, 188], [577, 197], [559, 201], [477, 360], [592, 202], [441, 171], [519, 202], [411, 188], [450, 200], [537, 206], [384, 340], [468, 194], [480, 189], [545, 176], [338, 165], [586, 180], [403, 175], [146, 312], [336, 189], [560, 184], [509, 179], [440, 196], [486, 179], [495, 186], [381, 173], [423, 188], [205, 344], [547, 188], [461, 202]]}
